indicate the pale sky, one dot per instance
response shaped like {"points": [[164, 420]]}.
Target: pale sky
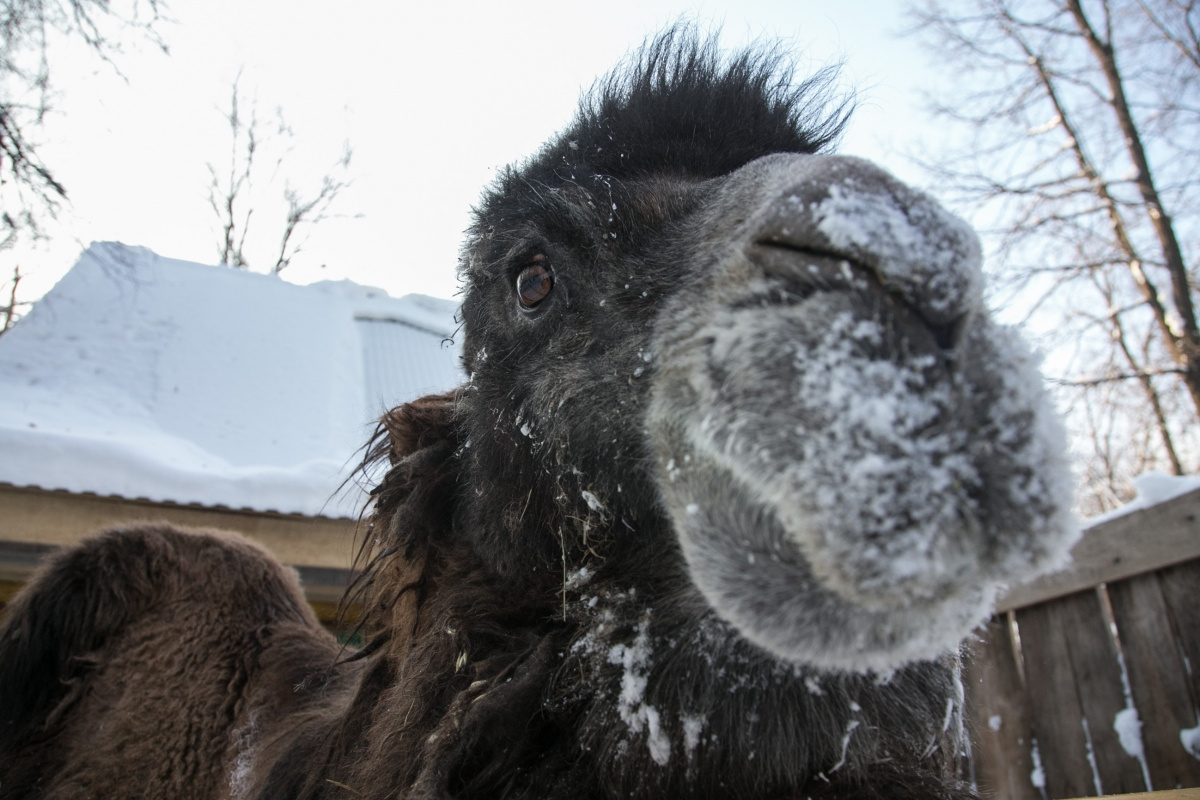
{"points": [[431, 99]]}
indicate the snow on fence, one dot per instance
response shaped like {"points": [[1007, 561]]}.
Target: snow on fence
{"points": [[1088, 682]]}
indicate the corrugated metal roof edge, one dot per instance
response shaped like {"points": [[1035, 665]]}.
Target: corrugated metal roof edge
{"points": [[369, 316], [143, 500]]}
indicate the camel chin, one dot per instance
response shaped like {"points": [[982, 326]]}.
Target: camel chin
{"points": [[855, 458]]}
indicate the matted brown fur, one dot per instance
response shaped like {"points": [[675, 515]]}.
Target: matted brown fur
{"points": [[126, 662]]}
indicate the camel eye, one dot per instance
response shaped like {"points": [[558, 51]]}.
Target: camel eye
{"points": [[534, 283]]}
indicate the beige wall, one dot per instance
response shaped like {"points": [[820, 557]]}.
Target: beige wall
{"points": [[34, 519]]}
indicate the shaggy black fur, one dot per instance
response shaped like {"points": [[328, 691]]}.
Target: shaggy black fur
{"points": [[503, 675]]}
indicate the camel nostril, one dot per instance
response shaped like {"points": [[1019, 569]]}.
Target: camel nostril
{"points": [[949, 334], [811, 269]]}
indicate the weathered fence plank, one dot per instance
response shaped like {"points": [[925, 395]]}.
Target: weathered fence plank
{"points": [[1001, 739], [1158, 679], [1181, 592], [1161, 794], [1074, 685], [1140, 542], [1053, 700]]}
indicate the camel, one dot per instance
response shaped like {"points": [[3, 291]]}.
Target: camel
{"points": [[741, 461]]}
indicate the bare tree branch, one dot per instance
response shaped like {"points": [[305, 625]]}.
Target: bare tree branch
{"points": [[9, 313], [1185, 343], [1188, 47], [29, 190], [1121, 340], [224, 198], [1080, 156], [309, 212], [227, 198]]}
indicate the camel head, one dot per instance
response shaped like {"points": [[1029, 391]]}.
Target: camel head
{"points": [[697, 345]]}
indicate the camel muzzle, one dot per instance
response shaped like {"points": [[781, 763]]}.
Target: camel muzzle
{"points": [[854, 456]]}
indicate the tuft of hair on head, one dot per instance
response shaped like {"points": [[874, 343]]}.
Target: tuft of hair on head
{"points": [[680, 104]]}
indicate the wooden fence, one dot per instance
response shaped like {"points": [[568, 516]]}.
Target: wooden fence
{"points": [[1088, 682]]}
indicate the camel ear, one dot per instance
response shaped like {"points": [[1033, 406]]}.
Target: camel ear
{"points": [[420, 424], [412, 505], [418, 441]]}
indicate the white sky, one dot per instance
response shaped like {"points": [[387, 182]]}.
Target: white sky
{"points": [[432, 99]]}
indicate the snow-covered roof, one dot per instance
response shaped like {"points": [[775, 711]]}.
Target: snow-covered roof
{"points": [[147, 377]]}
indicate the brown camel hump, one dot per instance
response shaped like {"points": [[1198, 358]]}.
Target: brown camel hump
{"points": [[126, 662]]}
